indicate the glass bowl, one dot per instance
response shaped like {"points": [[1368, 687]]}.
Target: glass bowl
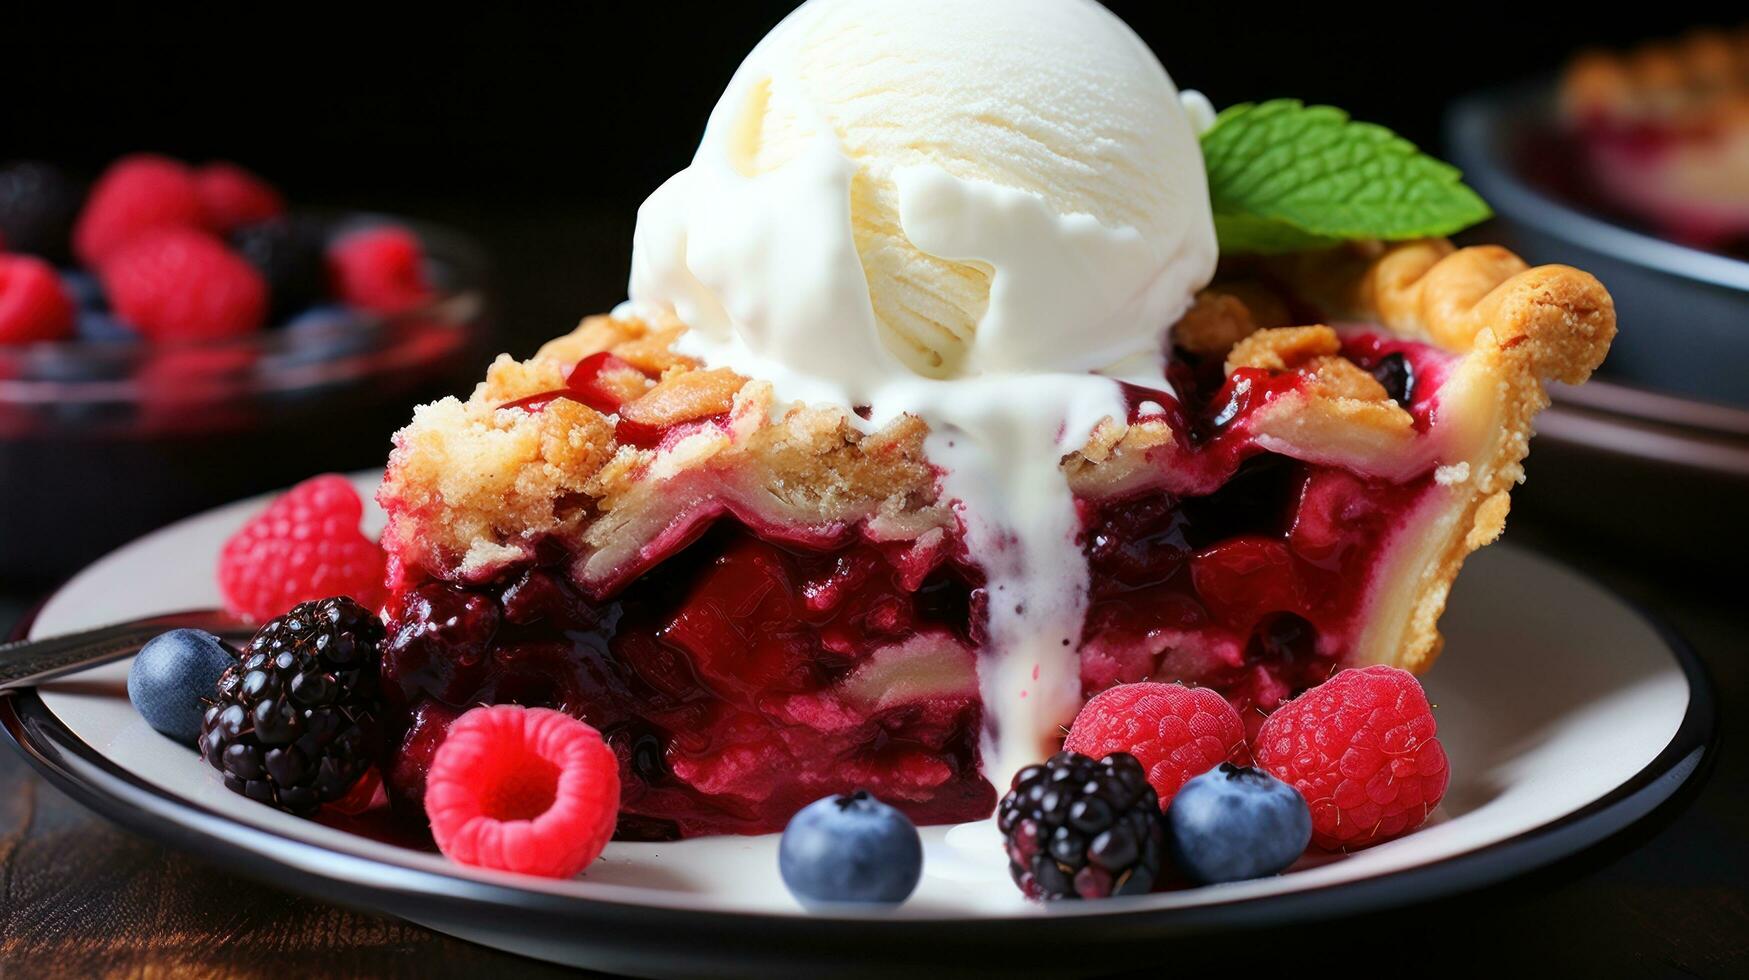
{"points": [[103, 441]]}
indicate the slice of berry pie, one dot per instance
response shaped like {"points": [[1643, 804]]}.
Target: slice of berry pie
{"points": [[952, 391], [760, 606], [1665, 132]]}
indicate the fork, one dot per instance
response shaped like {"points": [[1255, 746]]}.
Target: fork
{"points": [[24, 663]]}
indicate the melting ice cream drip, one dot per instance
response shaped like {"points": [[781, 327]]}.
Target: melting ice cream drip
{"points": [[1000, 455]]}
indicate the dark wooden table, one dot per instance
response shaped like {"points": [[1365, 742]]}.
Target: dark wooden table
{"points": [[79, 897]]}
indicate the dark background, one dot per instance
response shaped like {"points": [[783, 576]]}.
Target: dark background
{"points": [[538, 130]]}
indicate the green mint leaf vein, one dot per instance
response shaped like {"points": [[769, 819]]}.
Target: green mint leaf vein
{"points": [[1284, 177]]}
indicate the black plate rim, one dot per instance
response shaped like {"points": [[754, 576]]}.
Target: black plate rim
{"points": [[642, 938]]}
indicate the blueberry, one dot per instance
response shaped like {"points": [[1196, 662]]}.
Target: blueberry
{"points": [[324, 333], [332, 317], [171, 676], [1231, 824], [84, 290], [1397, 376], [98, 326], [76, 363], [850, 849], [108, 352]]}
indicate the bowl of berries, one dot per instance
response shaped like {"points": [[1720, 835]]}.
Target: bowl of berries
{"points": [[179, 328]]}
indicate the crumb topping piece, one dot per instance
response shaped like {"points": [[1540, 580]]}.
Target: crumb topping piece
{"points": [[1283, 349]]}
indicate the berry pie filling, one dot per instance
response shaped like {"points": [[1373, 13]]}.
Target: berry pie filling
{"points": [[740, 666], [738, 680]]}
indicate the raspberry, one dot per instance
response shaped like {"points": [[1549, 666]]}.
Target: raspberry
{"points": [[1175, 732], [379, 269], [231, 197], [304, 546], [530, 790], [184, 284], [136, 194], [1362, 749], [33, 304]]}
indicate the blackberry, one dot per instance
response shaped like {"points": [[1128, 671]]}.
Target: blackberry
{"points": [[38, 205], [1077, 828], [289, 254], [296, 720]]}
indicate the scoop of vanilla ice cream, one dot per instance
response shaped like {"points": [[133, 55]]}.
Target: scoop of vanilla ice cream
{"points": [[978, 212], [944, 188]]}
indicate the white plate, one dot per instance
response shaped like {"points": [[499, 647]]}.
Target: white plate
{"points": [[1566, 714]]}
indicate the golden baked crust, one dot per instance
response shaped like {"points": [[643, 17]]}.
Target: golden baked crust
{"points": [[474, 485], [1517, 328]]}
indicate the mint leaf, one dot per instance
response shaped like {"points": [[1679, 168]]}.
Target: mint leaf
{"points": [[1286, 177], [1240, 234]]}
